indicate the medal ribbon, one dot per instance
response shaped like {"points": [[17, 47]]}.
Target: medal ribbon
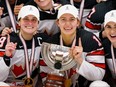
{"points": [[12, 17], [28, 66], [81, 9], [61, 42], [113, 60], [67, 80], [73, 44]]}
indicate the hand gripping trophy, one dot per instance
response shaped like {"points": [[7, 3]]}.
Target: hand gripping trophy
{"points": [[58, 58]]}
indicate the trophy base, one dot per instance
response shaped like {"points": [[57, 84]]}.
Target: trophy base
{"points": [[54, 81]]}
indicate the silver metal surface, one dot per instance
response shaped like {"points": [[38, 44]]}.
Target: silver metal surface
{"points": [[52, 52]]}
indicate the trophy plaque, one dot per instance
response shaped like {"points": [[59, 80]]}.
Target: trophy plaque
{"points": [[58, 58]]}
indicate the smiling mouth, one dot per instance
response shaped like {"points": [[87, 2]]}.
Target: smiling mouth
{"points": [[29, 27], [68, 28], [113, 36], [40, 0]]}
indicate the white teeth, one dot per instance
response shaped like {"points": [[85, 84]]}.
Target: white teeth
{"points": [[41, 0], [29, 27], [67, 28], [113, 35]]}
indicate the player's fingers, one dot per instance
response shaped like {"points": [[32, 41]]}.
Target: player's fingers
{"points": [[8, 38], [80, 42]]}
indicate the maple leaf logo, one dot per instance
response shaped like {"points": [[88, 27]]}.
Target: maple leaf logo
{"points": [[18, 70]]}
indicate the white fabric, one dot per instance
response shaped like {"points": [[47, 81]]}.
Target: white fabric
{"points": [[110, 16], [4, 70], [68, 9], [28, 10], [48, 26], [91, 72], [99, 83], [97, 59], [4, 84]]}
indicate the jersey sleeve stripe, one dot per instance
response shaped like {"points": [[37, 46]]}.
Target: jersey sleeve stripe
{"points": [[97, 52], [92, 26], [101, 65], [2, 54]]}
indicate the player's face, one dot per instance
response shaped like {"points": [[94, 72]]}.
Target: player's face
{"points": [[43, 4], [110, 30], [68, 24], [28, 25]]}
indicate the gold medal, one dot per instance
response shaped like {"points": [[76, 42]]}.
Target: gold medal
{"points": [[28, 82], [67, 82]]}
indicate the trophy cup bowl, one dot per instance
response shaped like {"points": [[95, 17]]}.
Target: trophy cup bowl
{"points": [[58, 58]]}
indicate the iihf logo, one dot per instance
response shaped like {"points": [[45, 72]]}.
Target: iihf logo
{"points": [[112, 14], [67, 8], [30, 9]]}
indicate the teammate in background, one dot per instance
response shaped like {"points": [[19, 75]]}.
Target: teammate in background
{"points": [[48, 14], [95, 19], [88, 5], [18, 57], [87, 51], [15, 6], [109, 44]]}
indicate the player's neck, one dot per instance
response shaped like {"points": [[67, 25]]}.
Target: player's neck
{"points": [[68, 39], [27, 36], [114, 45]]}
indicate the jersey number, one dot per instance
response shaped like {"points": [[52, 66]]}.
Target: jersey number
{"points": [[92, 11], [2, 40]]}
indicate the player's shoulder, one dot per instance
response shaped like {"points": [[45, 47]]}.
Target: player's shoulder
{"points": [[89, 40], [42, 36]]}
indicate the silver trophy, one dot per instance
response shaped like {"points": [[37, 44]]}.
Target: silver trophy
{"points": [[59, 59]]}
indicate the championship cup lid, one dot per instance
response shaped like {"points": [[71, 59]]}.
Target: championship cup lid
{"points": [[28, 10], [110, 16], [68, 9]]}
